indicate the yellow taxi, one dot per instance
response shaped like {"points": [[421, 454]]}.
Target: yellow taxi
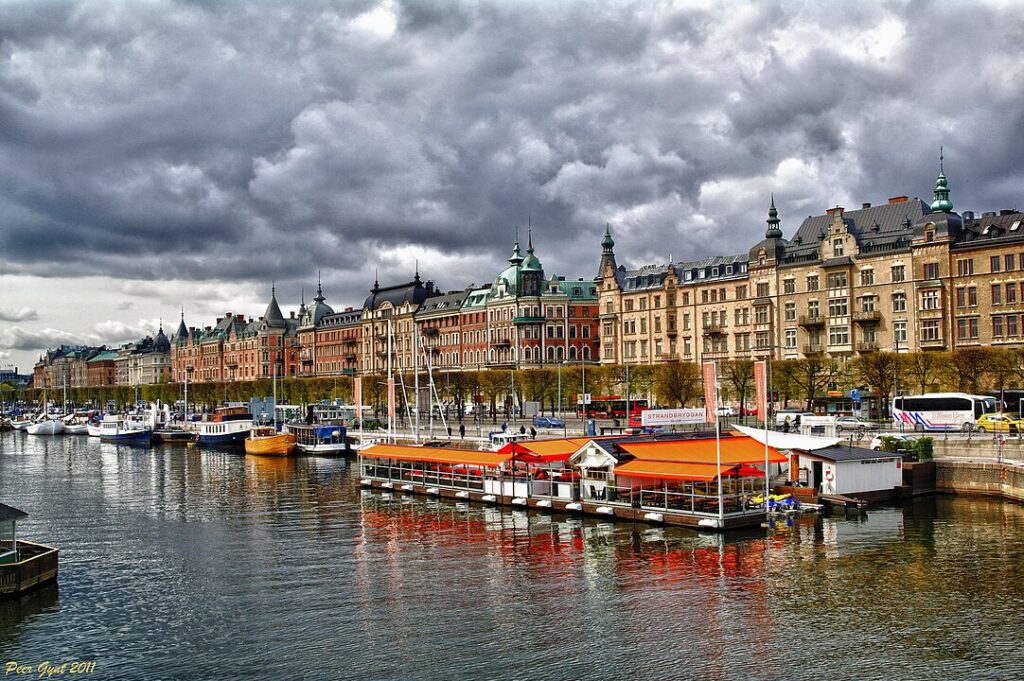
{"points": [[999, 423]]}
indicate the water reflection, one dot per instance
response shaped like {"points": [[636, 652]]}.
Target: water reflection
{"points": [[173, 554]]}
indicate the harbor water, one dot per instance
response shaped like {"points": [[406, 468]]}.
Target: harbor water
{"points": [[181, 563]]}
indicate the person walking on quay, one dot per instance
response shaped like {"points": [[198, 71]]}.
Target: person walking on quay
{"points": [[533, 433], [522, 430], [462, 431], [785, 425]]}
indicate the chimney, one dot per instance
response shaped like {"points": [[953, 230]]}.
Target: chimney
{"points": [[240, 318], [1007, 211], [835, 212], [866, 204], [893, 200], [291, 313]]}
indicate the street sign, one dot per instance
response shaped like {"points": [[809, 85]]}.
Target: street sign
{"points": [[854, 394], [583, 399], [671, 417]]}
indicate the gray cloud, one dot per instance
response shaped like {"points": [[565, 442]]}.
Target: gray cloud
{"points": [[21, 314], [224, 142]]}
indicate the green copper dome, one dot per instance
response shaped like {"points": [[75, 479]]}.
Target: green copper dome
{"points": [[941, 202], [774, 231]]}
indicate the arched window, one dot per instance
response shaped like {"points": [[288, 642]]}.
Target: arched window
{"points": [[560, 353], [572, 352]]}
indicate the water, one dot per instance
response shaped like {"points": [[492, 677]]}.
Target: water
{"points": [[185, 564]]}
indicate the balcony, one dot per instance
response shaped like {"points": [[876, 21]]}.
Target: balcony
{"points": [[813, 348], [714, 329], [671, 331], [867, 317], [501, 343], [665, 357], [716, 354], [528, 320], [867, 346], [350, 357], [932, 342], [810, 320]]}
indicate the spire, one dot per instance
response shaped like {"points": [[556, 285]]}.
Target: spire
{"points": [[273, 314], [182, 332], [607, 243], [774, 231], [319, 289], [376, 280], [517, 255], [302, 303], [529, 243], [941, 202], [416, 278]]}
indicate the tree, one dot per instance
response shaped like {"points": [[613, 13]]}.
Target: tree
{"points": [[739, 376], [968, 368], [924, 367], [880, 371], [492, 385], [810, 376], [678, 383]]}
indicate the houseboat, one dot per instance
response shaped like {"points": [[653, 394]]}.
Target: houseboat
{"points": [[229, 426], [23, 565], [266, 441], [694, 479]]}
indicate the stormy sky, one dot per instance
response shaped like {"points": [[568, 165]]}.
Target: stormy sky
{"points": [[160, 155]]}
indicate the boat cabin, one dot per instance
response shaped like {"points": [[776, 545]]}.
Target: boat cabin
{"points": [[855, 471], [503, 438], [9, 517]]}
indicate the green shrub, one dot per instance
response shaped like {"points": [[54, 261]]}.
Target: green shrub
{"points": [[924, 448]]}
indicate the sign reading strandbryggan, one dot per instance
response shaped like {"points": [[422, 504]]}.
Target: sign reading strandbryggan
{"points": [[672, 417]]}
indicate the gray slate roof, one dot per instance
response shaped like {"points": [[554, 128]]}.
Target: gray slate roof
{"points": [[10, 513], [847, 453]]}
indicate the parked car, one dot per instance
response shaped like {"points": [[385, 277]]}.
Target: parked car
{"points": [[748, 411], [999, 423], [727, 411], [548, 422], [852, 423], [904, 440]]}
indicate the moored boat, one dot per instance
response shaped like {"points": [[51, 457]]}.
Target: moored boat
{"points": [[22, 424], [94, 429], [46, 427], [320, 438], [117, 429], [172, 435], [265, 440], [229, 426]]}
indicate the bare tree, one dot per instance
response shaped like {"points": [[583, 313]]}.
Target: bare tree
{"points": [[880, 371], [967, 369], [810, 377], [924, 368], [739, 376], [678, 383]]}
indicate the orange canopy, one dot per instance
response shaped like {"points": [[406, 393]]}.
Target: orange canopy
{"points": [[469, 457], [734, 450], [670, 470], [545, 450]]}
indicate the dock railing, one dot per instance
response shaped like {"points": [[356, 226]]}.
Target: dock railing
{"points": [[36, 564]]}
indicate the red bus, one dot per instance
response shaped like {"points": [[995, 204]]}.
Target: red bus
{"points": [[611, 407]]}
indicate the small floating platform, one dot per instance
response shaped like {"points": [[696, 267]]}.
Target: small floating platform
{"points": [[23, 565]]}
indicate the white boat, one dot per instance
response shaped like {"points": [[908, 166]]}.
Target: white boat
{"points": [[21, 425], [117, 429], [46, 427], [76, 428], [94, 429]]}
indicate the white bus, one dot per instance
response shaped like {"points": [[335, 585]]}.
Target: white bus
{"points": [[941, 411]]}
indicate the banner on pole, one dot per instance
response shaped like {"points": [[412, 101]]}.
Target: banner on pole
{"points": [[391, 398], [357, 396], [761, 388], [710, 391]]}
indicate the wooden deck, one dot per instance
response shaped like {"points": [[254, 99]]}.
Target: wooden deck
{"points": [[607, 510], [38, 565]]}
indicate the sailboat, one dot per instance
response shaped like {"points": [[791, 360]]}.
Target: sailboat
{"points": [[266, 440], [46, 425]]}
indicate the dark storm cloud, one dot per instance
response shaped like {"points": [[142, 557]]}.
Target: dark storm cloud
{"points": [[231, 141]]}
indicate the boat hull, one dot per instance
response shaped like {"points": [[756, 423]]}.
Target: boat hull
{"points": [[171, 436], [128, 437], [94, 430], [323, 449], [46, 428], [282, 444], [77, 429], [222, 439]]}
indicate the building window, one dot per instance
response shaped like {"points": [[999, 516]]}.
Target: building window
{"points": [[790, 338], [1011, 325], [813, 309], [899, 332], [1010, 262], [812, 281], [838, 335], [838, 307], [961, 296], [789, 286], [867, 277], [997, 327], [972, 296], [837, 280], [867, 304], [762, 289], [898, 273], [967, 329], [997, 294], [931, 270], [899, 302], [995, 264], [930, 300], [965, 267], [1011, 293], [761, 314], [837, 247], [629, 307], [790, 312], [930, 330], [741, 292]]}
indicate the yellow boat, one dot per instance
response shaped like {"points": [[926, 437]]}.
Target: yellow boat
{"points": [[267, 441]]}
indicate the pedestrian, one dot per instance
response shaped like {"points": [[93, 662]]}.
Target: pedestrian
{"points": [[785, 425], [522, 430], [504, 426], [796, 422], [533, 433], [449, 431], [462, 431]]}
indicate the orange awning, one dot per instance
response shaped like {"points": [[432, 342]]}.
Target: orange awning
{"points": [[670, 470], [734, 450], [545, 450], [468, 457]]}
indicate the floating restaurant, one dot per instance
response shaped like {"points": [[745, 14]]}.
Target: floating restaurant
{"points": [[694, 480]]}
